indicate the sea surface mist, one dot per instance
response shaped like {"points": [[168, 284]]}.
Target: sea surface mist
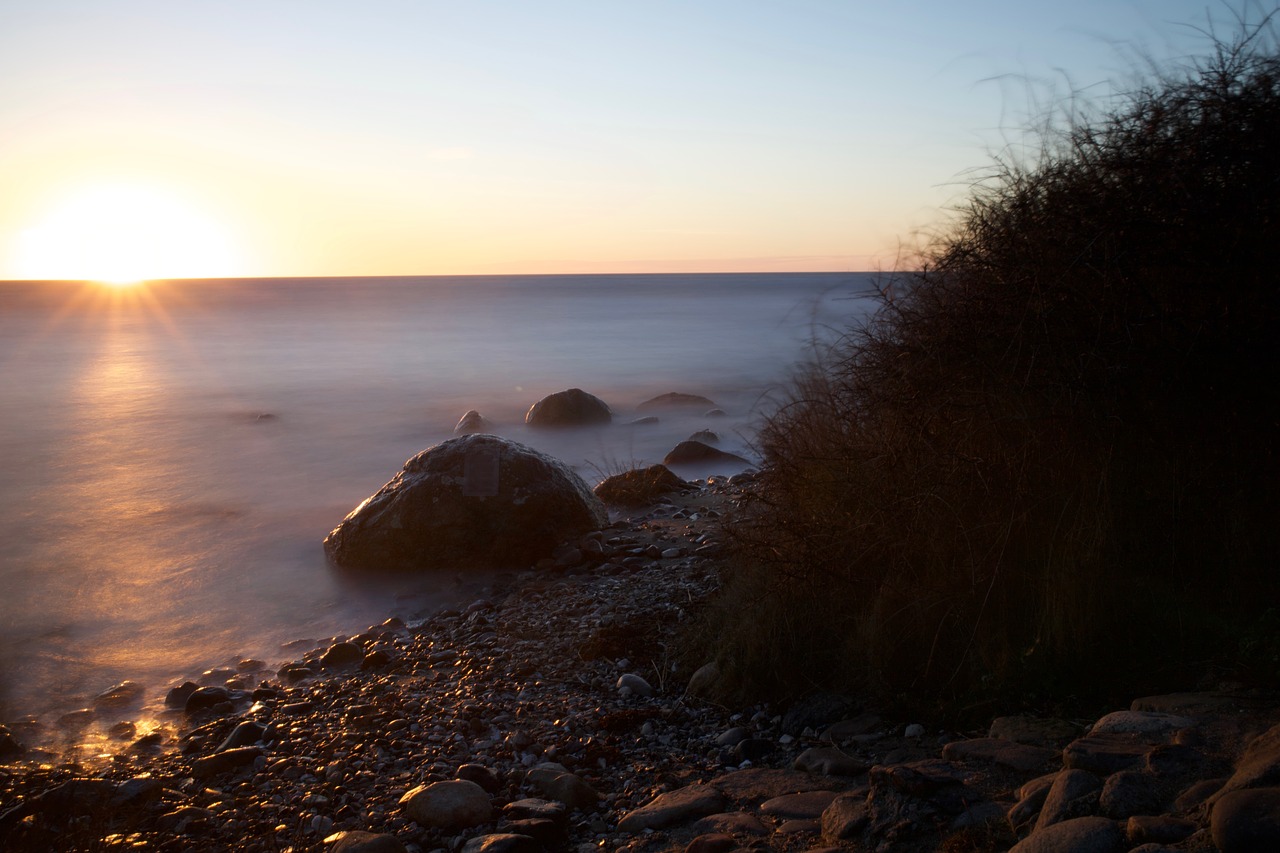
{"points": [[172, 455]]}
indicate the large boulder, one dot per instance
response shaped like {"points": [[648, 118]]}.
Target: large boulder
{"points": [[574, 407], [477, 501], [690, 453]]}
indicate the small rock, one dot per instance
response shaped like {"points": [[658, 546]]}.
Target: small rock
{"points": [[846, 817], [1074, 794], [502, 842], [358, 841], [637, 685], [828, 761], [341, 655], [673, 808], [1078, 835], [121, 696], [453, 805]]}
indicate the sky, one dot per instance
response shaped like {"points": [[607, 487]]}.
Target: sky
{"points": [[178, 138]]}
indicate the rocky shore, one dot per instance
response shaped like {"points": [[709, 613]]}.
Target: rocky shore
{"points": [[553, 714]]}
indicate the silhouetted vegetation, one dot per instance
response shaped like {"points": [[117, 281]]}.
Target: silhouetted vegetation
{"points": [[1047, 470]]}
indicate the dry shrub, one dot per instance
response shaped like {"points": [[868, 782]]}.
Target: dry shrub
{"points": [[1050, 465]]}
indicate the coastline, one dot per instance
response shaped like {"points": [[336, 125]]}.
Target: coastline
{"points": [[535, 696]]}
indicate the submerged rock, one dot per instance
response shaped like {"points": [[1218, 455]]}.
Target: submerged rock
{"points": [[698, 453], [472, 422], [477, 501], [574, 407], [674, 400]]}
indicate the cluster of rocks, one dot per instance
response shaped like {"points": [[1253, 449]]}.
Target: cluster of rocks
{"points": [[577, 408], [554, 714]]}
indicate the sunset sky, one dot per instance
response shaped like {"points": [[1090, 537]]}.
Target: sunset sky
{"points": [[175, 138]]}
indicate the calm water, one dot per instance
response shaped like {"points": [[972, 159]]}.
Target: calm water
{"points": [[172, 456]]}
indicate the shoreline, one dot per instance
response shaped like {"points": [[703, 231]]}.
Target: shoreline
{"points": [[536, 697]]}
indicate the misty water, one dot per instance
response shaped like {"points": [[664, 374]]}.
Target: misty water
{"points": [[172, 455]]}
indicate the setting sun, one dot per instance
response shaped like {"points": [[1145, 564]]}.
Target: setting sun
{"points": [[122, 234]]}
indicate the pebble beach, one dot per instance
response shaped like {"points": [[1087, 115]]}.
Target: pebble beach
{"points": [[553, 713]]}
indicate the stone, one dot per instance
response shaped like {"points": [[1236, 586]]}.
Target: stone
{"points": [[918, 778], [1198, 794], [1141, 722], [573, 407], [757, 784], [451, 805], [502, 842], [675, 400], [10, 747], [1190, 704], [1129, 793], [224, 762], [828, 761], [635, 684], [1078, 835], [1258, 766], [731, 823], [846, 817], [703, 681], [752, 749], [1105, 754], [205, 698], [246, 733], [177, 696], [1031, 797], [1036, 731], [123, 695], [1074, 794], [1247, 821], [703, 455], [558, 784], [805, 805], [537, 809], [712, 842], [990, 750], [341, 655], [705, 436], [359, 841], [472, 422], [673, 808], [849, 729], [482, 776], [1161, 829], [429, 516], [639, 486]]}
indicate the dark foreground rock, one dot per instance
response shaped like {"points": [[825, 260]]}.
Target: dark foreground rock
{"points": [[477, 501], [574, 407]]}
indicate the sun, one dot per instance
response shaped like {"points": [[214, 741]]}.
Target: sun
{"points": [[124, 233]]}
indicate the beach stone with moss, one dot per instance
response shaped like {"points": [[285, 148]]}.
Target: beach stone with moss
{"points": [[477, 501]]}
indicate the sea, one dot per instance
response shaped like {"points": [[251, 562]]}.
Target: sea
{"points": [[173, 453]]}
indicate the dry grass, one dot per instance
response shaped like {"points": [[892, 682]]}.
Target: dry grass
{"points": [[1053, 461]]}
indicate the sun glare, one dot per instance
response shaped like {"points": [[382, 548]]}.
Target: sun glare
{"points": [[122, 234]]}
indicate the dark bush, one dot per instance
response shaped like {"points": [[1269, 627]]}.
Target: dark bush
{"points": [[1049, 465]]}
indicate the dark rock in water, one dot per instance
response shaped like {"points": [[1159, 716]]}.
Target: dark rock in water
{"points": [[648, 420], [639, 487], [205, 698], [697, 453], [477, 501], [177, 696], [674, 400], [245, 734], [574, 407], [9, 745], [706, 436], [472, 422], [119, 697], [342, 654], [716, 413]]}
